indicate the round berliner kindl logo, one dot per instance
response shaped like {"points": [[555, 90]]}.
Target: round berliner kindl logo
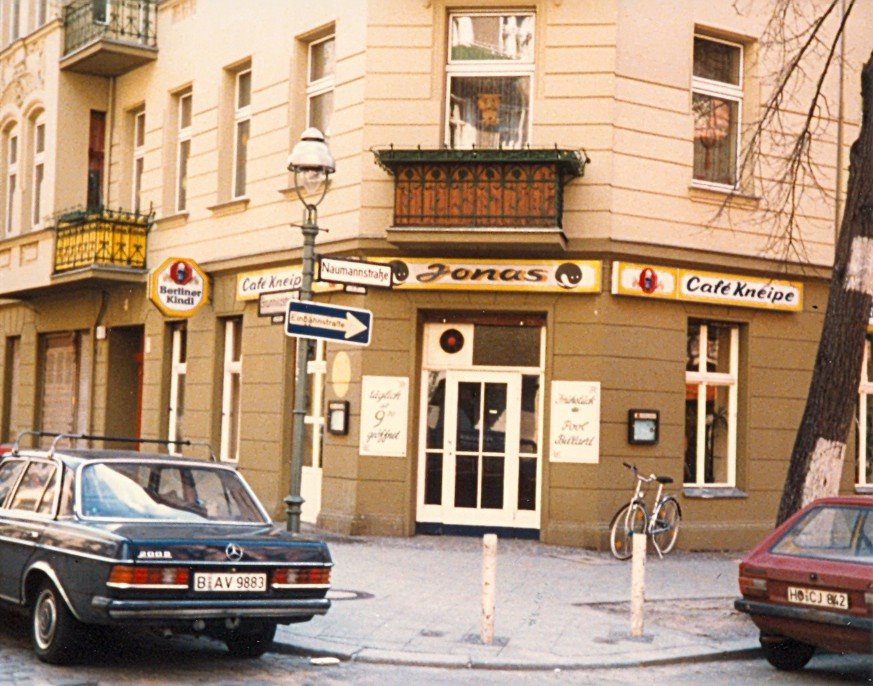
{"points": [[234, 552], [179, 287]]}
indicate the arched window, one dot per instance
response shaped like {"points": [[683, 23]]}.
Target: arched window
{"points": [[10, 179], [37, 143]]}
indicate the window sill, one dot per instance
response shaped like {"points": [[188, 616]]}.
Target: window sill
{"points": [[864, 490], [230, 206], [171, 221], [718, 195], [709, 492]]}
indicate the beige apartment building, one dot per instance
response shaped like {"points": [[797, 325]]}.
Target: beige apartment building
{"points": [[556, 185]]}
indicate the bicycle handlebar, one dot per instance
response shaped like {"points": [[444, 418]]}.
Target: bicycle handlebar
{"points": [[636, 473]]}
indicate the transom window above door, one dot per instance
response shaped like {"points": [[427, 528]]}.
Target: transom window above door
{"points": [[489, 71]]}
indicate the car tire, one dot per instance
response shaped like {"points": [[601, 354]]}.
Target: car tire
{"points": [[250, 640], [786, 654], [57, 636]]}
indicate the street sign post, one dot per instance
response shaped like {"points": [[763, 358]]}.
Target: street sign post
{"points": [[307, 319]]}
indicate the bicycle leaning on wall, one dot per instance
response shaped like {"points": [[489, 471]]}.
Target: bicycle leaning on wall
{"points": [[661, 525]]}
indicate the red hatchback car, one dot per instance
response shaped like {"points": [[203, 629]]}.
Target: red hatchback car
{"points": [[810, 583]]}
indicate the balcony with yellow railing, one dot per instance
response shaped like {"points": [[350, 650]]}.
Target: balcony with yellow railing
{"points": [[102, 239]]}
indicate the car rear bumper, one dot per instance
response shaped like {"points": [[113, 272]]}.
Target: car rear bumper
{"points": [[804, 614], [160, 610]]}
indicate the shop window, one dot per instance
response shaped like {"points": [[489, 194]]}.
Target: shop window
{"points": [[507, 346], [489, 73], [138, 158], [716, 104], [864, 463], [10, 178], [711, 386], [184, 117], [178, 374], [231, 390], [320, 81], [242, 118], [38, 130]]}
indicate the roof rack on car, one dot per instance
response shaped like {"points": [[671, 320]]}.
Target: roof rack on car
{"points": [[31, 432], [123, 439]]}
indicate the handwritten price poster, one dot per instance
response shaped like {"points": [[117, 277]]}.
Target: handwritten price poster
{"points": [[575, 426], [384, 415]]}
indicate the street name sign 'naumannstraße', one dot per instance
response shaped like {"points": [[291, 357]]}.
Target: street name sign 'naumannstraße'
{"points": [[342, 324], [355, 272]]}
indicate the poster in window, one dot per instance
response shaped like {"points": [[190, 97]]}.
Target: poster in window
{"points": [[384, 415], [575, 424]]}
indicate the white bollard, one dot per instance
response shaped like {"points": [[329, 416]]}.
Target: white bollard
{"points": [[638, 584], [489, 582]]}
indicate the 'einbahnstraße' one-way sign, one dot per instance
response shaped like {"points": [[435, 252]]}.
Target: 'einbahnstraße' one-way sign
{"points": [[307, 319]]}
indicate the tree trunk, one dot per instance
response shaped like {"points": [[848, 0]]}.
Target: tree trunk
{"points": [[819, 449]]}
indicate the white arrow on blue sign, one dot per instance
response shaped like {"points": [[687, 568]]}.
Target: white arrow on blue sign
{"points": [[307, 319]]}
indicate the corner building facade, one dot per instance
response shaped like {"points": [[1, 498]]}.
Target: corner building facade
{"points": [[545, 179]]}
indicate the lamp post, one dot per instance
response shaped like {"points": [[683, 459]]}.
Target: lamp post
{"points": [[312, 164]]}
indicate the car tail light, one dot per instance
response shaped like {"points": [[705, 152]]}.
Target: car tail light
{"points": [[868, 599], [293, 577], [132, 576], [752, 581]]}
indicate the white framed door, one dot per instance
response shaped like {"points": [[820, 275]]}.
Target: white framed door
{"points": [[472, 471]]}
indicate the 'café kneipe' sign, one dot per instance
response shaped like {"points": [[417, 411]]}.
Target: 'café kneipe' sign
{"points": [[690, 285], [179, 287]]}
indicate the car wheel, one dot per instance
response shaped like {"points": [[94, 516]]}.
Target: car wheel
{"points": [[57, 636], [786, 653], [250, 640]]}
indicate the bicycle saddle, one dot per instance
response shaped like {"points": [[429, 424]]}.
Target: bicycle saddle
{"points": [[665, 479]]}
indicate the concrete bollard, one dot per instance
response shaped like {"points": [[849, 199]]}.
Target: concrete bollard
{"points": [[638, 584], [489, 582]]}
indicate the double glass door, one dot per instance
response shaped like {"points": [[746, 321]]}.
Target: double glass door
{"points": [[479, 463]]}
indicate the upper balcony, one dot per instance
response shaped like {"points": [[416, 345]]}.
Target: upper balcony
{"points": [[109, 37], [494, 196]]}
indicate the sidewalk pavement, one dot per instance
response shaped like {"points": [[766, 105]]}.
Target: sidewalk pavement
{"points": [[417, 601]]}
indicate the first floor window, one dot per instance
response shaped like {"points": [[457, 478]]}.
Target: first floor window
{"points": [[711, 387], [231, 390], [489, 70], [320, 84], [242, 128], [864, 464], [184, 109]]}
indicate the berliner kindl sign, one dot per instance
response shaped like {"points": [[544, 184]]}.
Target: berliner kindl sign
{"points": [[179, 287]]}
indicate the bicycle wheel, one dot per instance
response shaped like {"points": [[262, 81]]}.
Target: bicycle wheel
{"points": [[666, 529], [630, 519]]}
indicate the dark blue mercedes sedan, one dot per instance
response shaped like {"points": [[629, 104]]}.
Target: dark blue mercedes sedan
{"points": [[112, 537]]}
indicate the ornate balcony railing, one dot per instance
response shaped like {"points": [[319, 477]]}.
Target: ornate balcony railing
{"points": [[480, 188], [109, 37], [101, 237]]}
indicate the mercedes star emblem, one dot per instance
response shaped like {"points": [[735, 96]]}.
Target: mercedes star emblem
{"points": [[234, 552]]}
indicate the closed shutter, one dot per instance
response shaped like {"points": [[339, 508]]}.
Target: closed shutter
{"points": [[60, 364]]}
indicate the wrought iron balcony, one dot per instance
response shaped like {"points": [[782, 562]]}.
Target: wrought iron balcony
{"points": [[109, 37], [101, 238], [480, 188]]}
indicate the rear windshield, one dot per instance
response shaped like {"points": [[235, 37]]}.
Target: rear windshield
{"points": [[832, 532], [165, 492]]}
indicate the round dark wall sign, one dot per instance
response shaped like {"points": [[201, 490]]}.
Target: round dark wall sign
{"points": [[451, 341]]}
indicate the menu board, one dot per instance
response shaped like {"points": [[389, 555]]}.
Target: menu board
{"points": [[575, 422], [384, 415]]}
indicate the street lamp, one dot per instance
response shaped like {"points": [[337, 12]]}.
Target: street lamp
{"points": [[312, 164]]}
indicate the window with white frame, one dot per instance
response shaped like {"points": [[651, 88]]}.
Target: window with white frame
{"points": [[184, 104], [711, 387], [242, 119], [864, 463], [178, 372], [716, 105], [489, 71], [11, 180], [101, 11], [320, 82], [231, 390], [14, 20], [38, 171], [41, 13], [139, 122]]}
